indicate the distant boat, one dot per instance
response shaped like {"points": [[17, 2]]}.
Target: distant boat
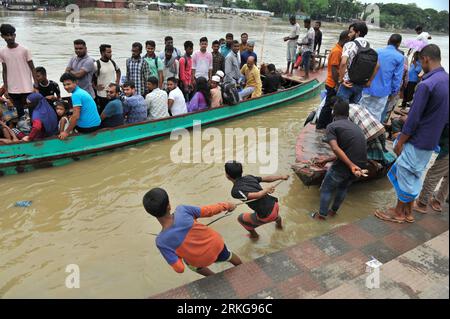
{"points": [[23, 5]]}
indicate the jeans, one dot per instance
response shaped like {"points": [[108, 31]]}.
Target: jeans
{"points": [[334, 182], [326, 116], [306, 61], [351, 95], [20, 102], [245, 93]]}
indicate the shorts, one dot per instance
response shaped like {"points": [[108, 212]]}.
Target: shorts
{"points": [[291, 52], [250, 221], [224, 256]]}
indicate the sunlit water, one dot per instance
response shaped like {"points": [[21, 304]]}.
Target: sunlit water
{"points": [[89, 213]]}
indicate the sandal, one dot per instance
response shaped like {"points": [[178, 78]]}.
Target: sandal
{"points": [[389, 218], [410, 219], [435, 205], [417, 208]]}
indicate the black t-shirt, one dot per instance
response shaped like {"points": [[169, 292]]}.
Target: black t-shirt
{"points": [[250, 184], [52, 88], [317, 39], [351, 140], [271, 83]]}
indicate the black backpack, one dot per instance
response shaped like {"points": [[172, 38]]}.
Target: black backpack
{"points": [[96, 74], [230, 94], [363, 64]]}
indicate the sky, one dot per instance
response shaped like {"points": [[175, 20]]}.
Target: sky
{"points": [[434, 4]]}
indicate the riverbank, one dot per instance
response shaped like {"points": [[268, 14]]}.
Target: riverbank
{"points": [[415, 265]]}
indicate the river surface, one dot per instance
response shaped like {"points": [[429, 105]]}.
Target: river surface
{"points": [[89, 213]]}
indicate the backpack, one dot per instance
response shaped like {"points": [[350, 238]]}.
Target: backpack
{"points": [[99, 65], [363, 64], [230, 94], [96, 74]]}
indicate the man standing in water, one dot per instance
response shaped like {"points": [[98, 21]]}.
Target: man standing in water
{"points": [[18, 69], [82, 67], [292, 44], [420, 136]]}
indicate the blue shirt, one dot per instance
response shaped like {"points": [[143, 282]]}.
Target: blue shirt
{"points": [[224, 50], [88, 114], [245, 55], [135, 108], [429, 111], [389, 76], [114, 113], [414, 71]]}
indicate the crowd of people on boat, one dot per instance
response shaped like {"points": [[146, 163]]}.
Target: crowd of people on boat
{"points": [[155, 86]]}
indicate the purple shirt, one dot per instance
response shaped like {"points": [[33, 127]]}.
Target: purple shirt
{"points": [[429, 111], [197, 103]]}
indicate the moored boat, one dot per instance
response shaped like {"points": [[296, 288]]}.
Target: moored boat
{"points": [[310, 147], [23, 157]]}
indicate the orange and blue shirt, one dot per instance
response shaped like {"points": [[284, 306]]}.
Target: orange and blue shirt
{"points": [[196, 244]]}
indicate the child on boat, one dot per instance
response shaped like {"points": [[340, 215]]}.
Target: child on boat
{"points": [[183, 238], [62, 110], [246, 188]]}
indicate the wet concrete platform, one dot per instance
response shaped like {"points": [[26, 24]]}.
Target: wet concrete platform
{"points": [[334, 265]]}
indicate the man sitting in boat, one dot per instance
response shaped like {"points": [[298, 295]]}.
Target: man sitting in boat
{"points": [[135, 108], [348, 143], [157, 100], [253, 83], [112, 115], [85, 117], [272, 80]]}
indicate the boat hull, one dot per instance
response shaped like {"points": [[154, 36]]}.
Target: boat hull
{"points": [[24, 157]]}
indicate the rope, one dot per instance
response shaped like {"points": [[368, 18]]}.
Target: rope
{"points": [[241, 203], [237, 204]]}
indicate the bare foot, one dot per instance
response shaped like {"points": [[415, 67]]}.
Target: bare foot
{"points": [[253, 235], [279, 223]]}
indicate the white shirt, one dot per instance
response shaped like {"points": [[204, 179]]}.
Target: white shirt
{"points": [[423, 37], [179, 103], [107, 75], [350, 49], [157, 106], [309, 38], [295, 31]]}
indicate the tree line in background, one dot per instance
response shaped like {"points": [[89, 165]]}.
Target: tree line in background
{"points": [[392, 15]]}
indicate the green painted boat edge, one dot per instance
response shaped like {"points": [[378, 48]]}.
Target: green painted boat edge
{"points": [[16, 161]]}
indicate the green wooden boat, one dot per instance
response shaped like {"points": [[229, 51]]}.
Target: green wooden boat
{"points": [[24, 157]]}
